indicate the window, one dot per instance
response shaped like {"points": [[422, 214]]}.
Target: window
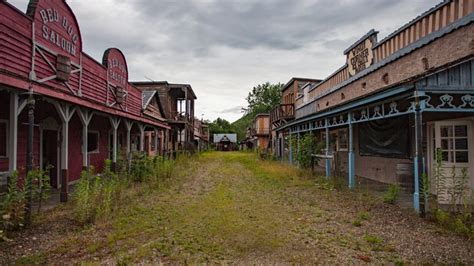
{"points": [[93, 142], [342, 140], [454, 144], [332, 141], [3, 139]]}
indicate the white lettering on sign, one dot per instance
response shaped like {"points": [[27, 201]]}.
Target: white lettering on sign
{"points": [[117, 71], [361, 57], [67, 43]]}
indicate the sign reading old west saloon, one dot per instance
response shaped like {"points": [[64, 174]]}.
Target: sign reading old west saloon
{"points": [[361, 55], [56, 27], [117, 76]]}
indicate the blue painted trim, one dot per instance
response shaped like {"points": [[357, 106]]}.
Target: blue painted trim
{"points": [[290, 156], [350, 106], [449, 110], [416, 194], [328, 161], [351, 154]]}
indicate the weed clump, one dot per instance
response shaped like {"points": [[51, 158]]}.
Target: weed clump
{"points": [[392, 194]]}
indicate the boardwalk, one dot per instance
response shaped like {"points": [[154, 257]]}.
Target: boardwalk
{"points": [[233, 207]]}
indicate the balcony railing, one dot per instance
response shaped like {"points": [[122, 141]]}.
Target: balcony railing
{"points": [[282, 112], [180, 116], [260, 131]]}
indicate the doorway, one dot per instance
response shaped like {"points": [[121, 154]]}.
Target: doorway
{"points": [[451, 143], [50, 155]]}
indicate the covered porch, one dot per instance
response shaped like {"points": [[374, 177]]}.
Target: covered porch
{"points": [[401, 135]]}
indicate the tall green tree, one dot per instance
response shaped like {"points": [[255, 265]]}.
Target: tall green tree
{"points": [[220, 126], [263, 98]]}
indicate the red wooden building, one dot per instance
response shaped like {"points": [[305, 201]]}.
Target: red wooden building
{"points": [[84, 111]]}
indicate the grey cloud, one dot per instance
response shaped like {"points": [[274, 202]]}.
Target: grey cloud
{"points": [[225, 47], [233, 110]]}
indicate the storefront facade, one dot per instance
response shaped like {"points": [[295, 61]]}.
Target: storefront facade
{"points": [[81, 112], [397, 101]]}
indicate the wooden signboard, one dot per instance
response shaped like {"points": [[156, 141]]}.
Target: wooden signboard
{"points": [[117, 77], [56, 27], [361, 54]]}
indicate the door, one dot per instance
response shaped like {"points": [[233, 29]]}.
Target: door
{"points": [[50, 155], [450, 142]]}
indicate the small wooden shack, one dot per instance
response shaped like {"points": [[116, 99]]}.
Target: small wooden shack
{"points": [[226, 142]]}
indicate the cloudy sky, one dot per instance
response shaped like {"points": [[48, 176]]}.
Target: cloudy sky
{"points": [[225, 47]]}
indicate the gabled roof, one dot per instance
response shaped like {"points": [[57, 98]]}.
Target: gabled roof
{"points": [[146, 98], [225, 137]]}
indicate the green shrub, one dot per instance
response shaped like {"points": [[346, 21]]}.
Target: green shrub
{"points": [[141, 167], [41, 186], [391, 195], [459, 226], [304, 149], [442, 217], [12, 208], [84, 198]]}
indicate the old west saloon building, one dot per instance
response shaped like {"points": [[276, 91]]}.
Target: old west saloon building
{"points": [[396, 102], [84, 111]]}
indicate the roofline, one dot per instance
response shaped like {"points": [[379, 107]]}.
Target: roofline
{"points": [[149, 82], [166, 83], [293, 79]]}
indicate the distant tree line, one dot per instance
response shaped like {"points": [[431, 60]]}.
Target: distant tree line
{"points": [[261, 99]]}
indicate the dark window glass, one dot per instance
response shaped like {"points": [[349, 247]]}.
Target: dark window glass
{"points": [[3, 139], [460, 131], [461, 144], [93, 142], [462, 157]]}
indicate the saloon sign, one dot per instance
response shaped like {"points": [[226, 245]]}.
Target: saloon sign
{"points": [[56, 27], [360, 55], [117, 76]]}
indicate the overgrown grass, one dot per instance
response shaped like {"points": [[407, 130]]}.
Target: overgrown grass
{"points": [[221, 207]]}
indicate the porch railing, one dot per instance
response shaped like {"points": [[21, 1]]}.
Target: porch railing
{"points": [[282, 112]]}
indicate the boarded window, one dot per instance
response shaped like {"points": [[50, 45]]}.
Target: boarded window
{"points": [[93, 142], [3, 139], [385, 138]]}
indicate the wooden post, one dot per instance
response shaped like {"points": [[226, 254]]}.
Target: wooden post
{"points": [[156, 142], [85, 116], [65, 113], [142, 137], [115, 122], [13, 134], [129, 126], [29, 156]]}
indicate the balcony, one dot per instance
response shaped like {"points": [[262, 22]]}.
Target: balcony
{"points": [[180, 116], [259, 132], [281, 114]]}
